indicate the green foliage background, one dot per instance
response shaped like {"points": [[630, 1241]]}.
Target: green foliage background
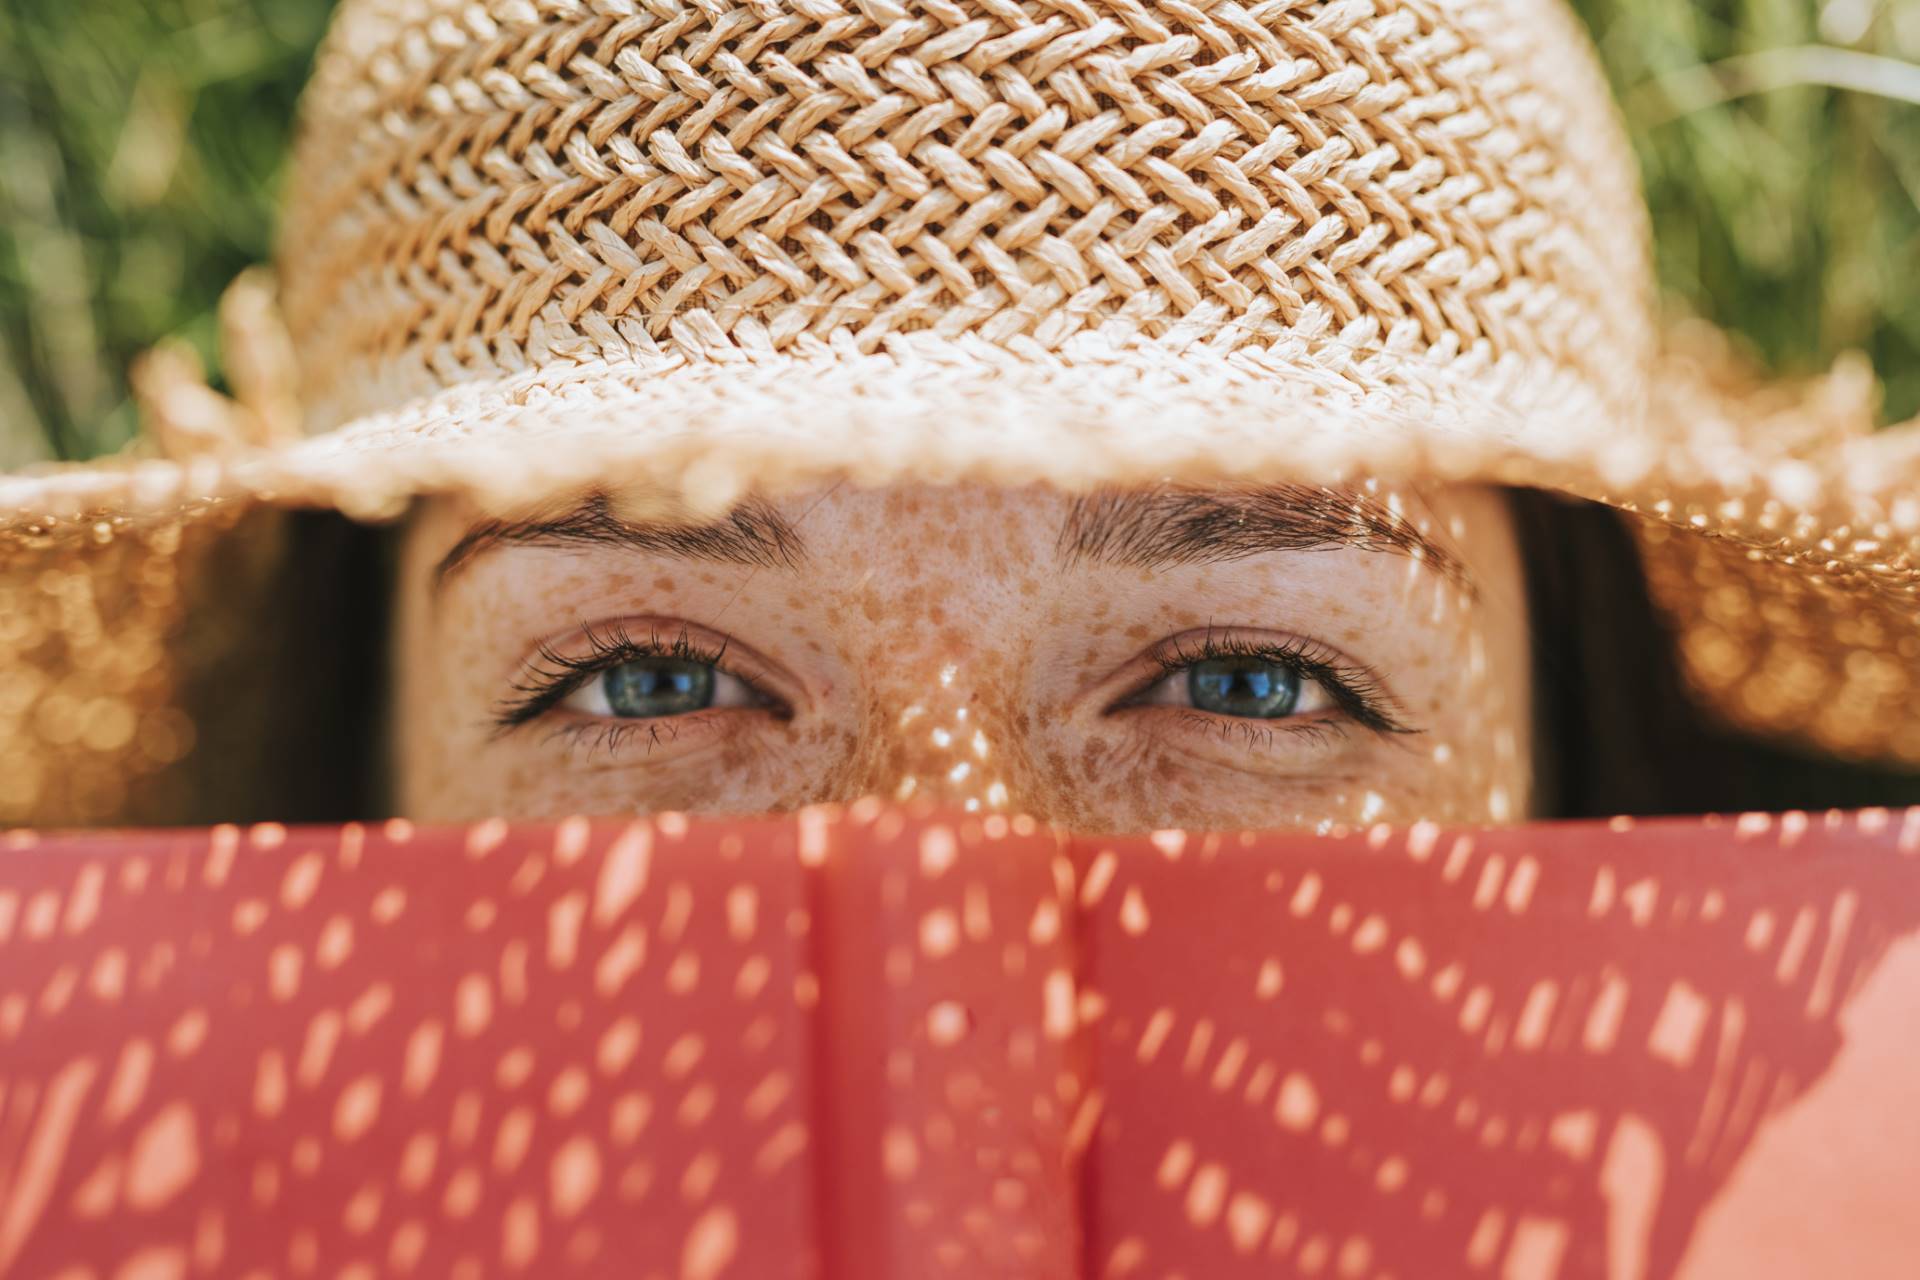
{"points": [[140, 145]]}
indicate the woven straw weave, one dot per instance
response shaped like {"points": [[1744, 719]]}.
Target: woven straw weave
{"points": [[488, 187]]}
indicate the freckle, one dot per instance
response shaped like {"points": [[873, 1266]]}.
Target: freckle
{"points": [[1139, 631], [1090, 757], [663, 583]]}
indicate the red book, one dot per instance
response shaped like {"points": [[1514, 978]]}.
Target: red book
{"points": [[873, 1045]]}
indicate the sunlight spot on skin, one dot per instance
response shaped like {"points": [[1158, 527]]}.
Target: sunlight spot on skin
{"points": [[1132, 772]]}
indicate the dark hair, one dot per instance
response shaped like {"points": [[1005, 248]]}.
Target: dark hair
{"points": [[293, 714], [1616, 730]]}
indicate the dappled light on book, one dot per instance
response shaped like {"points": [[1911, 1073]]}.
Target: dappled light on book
{"points": [[872, 1043]]}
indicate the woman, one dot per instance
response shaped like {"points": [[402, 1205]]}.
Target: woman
{"points": [[1110, 411]]}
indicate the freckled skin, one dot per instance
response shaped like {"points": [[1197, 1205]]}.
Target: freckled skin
{"points": [[932, 644]]}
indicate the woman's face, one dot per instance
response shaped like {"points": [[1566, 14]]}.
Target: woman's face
{"points": [[1129, 660]]}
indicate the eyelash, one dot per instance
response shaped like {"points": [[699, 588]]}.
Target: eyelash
{"points": [[1355, 690], [553, 676]]}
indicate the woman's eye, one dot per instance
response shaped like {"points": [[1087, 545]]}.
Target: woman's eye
{"points": [[1247, 687], [649, 688]]}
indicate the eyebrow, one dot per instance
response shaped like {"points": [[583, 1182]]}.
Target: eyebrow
{"points": [[1164, 527], [752, 534], [1147, 529]]}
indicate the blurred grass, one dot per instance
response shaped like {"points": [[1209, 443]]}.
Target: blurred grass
{"points": [[140, 146], [1780, 147]]}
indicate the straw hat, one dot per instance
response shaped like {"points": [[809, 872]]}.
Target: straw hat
{"points": [[751, 244]]}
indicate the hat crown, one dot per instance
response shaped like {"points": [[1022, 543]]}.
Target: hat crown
{"points": [[487, 188]]}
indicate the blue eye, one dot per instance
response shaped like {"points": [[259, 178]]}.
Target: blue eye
{"points": [[658, 687], [1248, 687], [649, 688], [1243, 686]]}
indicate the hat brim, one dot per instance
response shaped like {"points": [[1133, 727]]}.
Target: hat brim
{"points": [[936, 411]]}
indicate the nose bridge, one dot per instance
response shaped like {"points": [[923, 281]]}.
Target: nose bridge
{"points": [[946, 736], [942, 668]]}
